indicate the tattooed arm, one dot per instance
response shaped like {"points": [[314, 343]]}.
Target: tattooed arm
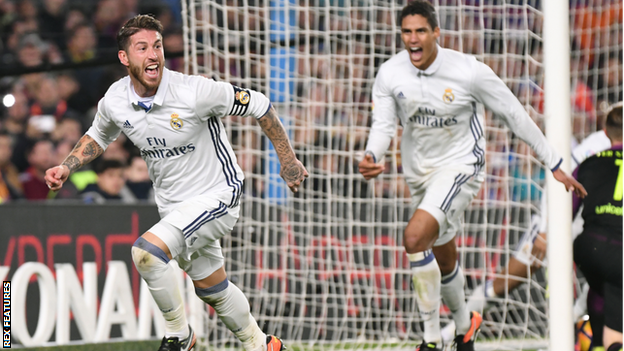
{"points": [[85, 151], [292, 170]]}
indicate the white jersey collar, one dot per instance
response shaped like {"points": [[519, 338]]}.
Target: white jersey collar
{"points": [[160, 93], [435, 64]]}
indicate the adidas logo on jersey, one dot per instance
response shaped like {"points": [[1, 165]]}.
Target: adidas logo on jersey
{"points": [[127, 125], [401, 96]]}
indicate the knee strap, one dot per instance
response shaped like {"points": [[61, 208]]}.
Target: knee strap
{"points": [[150, 260]]}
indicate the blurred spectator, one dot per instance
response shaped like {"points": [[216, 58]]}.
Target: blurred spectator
{"points": [[82, 46], [251, 163], [175, 9], [7, 17], [27, 12], [610, 81], [110, 184], [17, 115], [48, 102], [117, 151], [18, 30], [52, 21], [81, 43], [173, 42], [30, 50], [74, 17], [108, 18], [138, 180], [68, 129], [41, 156], [68, 88], [10, 185], [161, 11]]}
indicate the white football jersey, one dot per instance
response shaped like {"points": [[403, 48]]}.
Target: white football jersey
{"points": [[593, 144], [181, 137], [441, 111]]}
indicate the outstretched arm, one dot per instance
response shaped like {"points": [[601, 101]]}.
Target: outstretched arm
{"points": [[292, 170], [85, 151], [570, 183]]}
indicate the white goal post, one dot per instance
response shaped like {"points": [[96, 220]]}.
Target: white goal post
{"points": [[326, 268]]}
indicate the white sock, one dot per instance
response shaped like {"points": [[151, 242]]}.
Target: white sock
{"points": [[477, 301], [452, 290], [426, 278], [232, 308], [162, 283]]}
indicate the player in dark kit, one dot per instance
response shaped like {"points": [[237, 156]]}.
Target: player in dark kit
{"points": [[598, 250]]}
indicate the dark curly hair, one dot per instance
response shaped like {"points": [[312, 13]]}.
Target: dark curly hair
{"points": [[423, 8], [134, 25]]}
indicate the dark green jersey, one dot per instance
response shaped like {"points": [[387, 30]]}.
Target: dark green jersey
{"points": [[601, 175]]}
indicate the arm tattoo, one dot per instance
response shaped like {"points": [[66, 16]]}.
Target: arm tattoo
{"points": [[85, 151], [72, 162], [291, 172], [274, 130]]}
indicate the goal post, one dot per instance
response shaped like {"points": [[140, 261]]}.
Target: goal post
{"points": [[559, 133], [325, 268]]}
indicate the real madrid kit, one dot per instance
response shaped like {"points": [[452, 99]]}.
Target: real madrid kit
{"points": [[197, 181], [441, 110]]}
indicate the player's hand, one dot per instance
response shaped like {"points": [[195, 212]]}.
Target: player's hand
{"points": [[293, 173], [56, 176], [570, 183], [539, 249], [369, 168]]}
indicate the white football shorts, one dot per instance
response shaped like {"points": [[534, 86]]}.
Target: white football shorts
{"points": [[445, 194], [192, 231]]}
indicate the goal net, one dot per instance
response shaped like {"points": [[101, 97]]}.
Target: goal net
{"points": [[326, 267]]}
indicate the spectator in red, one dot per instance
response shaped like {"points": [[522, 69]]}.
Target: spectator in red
{"points": [[40, 157]]}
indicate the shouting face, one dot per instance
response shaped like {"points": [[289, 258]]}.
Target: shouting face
{"points": [[145, 59], [420, 40]]}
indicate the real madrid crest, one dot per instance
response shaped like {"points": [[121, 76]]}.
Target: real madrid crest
{"points": [[448, 96], [243, 97], [176, 122]]}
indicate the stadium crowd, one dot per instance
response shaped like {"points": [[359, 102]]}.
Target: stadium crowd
{"points": [[45, 110]]}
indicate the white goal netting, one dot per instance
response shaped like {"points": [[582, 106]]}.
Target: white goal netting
{"points": [[326, 268]]}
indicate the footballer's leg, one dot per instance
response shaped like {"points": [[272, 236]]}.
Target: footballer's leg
{"points": [[451, 195], [514, 275], [420, 234], [151, 256], [232, 307], [207, 271], [480, 299], [452, 284]]}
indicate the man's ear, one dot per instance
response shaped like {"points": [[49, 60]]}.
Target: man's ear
{"points": [[123, 58]]}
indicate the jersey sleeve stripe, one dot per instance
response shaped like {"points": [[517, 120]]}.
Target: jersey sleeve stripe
{"points": [[240, 107], [227, 164]]}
